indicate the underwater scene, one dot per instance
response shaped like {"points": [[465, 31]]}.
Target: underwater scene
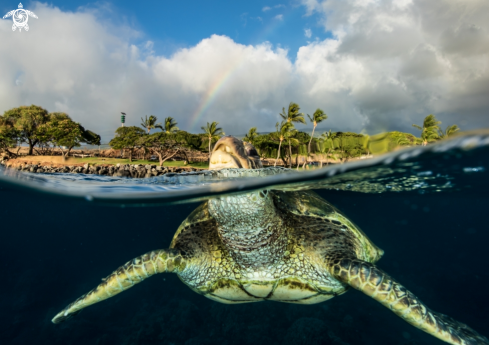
{"points": [[424, 207]]}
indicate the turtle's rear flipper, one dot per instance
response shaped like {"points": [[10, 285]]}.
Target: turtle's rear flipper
{"points": [[125, 277], [375, 283]]}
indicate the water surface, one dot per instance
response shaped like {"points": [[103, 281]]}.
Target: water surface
{"points": [[426, 207]]}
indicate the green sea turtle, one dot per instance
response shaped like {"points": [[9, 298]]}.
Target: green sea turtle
{"points": [[279, 246]]}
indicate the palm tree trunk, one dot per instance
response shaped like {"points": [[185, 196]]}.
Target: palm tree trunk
{"points": [[209, 150], [290, 155], [283, 161], [278, 155], [309, 146]]}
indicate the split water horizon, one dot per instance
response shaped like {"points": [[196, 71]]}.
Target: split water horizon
{"points": [[424, 206]]}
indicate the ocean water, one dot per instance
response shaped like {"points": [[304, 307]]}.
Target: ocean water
{"points": [[427, 208]]}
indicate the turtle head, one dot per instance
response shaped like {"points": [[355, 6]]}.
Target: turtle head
{"points": [[231, 152]]}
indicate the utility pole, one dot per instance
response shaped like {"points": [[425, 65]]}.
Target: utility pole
{"points": [[123, 118]]}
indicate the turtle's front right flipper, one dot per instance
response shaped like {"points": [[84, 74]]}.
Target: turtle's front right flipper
{"points": [[373, 282], [125, 277]]}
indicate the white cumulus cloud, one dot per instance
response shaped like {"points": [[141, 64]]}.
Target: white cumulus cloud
{"points": [[307, 33], [72, 62], [397, 61]]}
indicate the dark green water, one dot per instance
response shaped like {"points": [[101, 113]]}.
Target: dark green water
{"points": [[54, 248]]}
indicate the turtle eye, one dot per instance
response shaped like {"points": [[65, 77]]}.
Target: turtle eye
{"points": [[263, 194]]}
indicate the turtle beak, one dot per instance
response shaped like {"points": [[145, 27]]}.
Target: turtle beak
{"points": [[230, 152]]}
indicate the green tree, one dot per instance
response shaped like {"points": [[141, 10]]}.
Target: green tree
{"points": [[63, 132], [326, 135], [251, 136], [27, 120], [292, 114], [90, 137], [266, 145], [164, 145], [327, 144], [193, 141], [291, 138], [280, 135], [127, 138], [170, 126], [401, 139], [429, 131], [318, 117], [212, 134], [324, 148], [150, 123], [448, 132], [9, 136]]}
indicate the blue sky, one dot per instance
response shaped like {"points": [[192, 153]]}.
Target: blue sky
{"points": [[175, 24], [372, 66]]}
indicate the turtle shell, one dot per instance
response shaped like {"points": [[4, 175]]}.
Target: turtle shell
{"points": [[314, 228]]}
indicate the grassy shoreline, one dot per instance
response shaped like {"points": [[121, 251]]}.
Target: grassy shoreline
{"points": [[93, 161]]}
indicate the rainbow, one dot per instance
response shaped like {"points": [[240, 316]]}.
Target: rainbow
{"points": [[217, 85], [211, 94]]}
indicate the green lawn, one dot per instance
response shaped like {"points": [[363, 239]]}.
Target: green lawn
{"points": [[99, 160]]}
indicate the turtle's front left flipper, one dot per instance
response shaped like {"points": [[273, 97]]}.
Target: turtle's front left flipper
{"points": [[125, 277], [372, 281]]}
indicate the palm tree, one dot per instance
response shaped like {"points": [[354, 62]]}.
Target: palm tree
{"points": [[170, 126], [252, 134], [318, 117], [429, 131], [293, 114], [290, 137], [326, 137], [449, 131], [323, 150], [282, 130], [212, 133], [150, 123], [402, 140]]}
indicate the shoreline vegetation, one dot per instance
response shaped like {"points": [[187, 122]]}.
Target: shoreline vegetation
{"points": [[53, 142]]}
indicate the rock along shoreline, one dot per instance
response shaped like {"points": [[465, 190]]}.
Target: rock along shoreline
{"points": [[118, 170]]}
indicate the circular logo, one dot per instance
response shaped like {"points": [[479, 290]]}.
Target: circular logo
{"points": [[20, 18]]}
